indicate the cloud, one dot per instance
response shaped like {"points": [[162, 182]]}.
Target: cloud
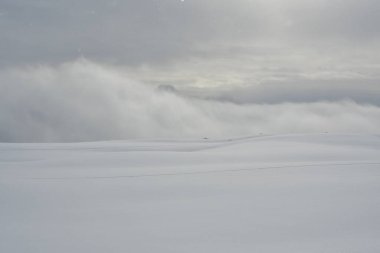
{"points": [[131, 32], [135, 32], [363, 91], [350, 20], [83, 101]]}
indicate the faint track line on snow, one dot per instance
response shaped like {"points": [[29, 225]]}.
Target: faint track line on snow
{"points": [[202, 172]]}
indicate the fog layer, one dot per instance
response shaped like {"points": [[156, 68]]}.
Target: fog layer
{"points": [[87, 101]]}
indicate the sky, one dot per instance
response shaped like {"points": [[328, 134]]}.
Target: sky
{"points": [[65, 65]]}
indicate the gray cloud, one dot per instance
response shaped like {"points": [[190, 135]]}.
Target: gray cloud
{"points": [[348, 20], [361, 91], [87, 101], [155, 31], [127, 31]]}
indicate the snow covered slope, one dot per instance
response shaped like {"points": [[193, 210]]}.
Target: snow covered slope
{"points": [[294, 193]]}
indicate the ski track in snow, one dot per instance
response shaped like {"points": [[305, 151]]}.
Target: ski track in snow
{"points": [[206, 171]]}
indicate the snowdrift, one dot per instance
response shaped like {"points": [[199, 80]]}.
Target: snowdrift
{"points": [[286, 193]]}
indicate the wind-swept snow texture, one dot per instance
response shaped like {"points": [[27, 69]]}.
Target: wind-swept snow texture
{"points": [[289, 193]]}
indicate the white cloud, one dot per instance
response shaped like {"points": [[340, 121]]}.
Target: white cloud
{"points": [[83, 100]]}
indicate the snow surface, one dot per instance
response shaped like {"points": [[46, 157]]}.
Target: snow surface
{"points": [[287, 193]]}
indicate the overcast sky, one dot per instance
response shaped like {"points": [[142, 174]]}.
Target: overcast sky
{"points": [[242, 51]]}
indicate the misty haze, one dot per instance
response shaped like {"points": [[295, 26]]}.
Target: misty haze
{"points": [[189, 126]]}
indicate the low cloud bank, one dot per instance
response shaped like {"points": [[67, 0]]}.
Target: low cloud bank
{"points": [[85, 101]]}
